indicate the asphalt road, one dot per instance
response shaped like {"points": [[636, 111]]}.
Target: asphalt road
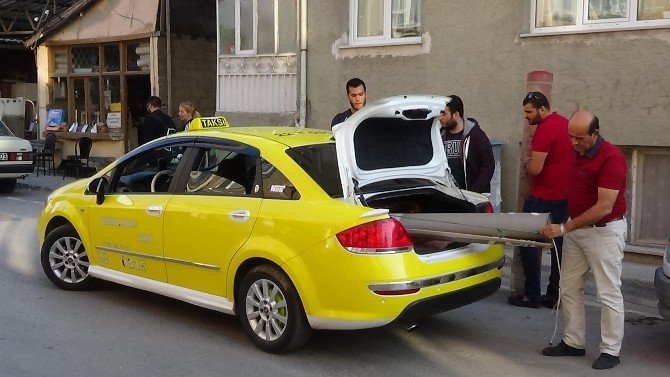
{"points": [[118, 331]]}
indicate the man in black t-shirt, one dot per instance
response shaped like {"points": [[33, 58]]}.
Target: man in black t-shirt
{"points": [[468, 149], [356, 92], [156, 123]]}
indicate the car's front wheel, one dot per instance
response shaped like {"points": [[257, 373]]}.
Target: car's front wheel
{"points": [[65, 260], [270, 310]]}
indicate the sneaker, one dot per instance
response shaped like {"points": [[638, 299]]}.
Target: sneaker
{"points": [[563, 349], [606, 361], [521, 302], [548, 301]]}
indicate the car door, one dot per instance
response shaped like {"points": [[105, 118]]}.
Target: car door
{"points": [[127, 228], [211, 215]]}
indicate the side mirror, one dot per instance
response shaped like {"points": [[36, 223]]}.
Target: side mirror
{"points": [[98, 186]]}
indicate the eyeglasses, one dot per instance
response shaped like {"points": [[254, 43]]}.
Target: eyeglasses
{"points": [[535, 95]]}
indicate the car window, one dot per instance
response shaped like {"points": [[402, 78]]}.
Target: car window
{"points": [[223, 172], [276, 185], [4, 131], [320, 162], [151, 171]]}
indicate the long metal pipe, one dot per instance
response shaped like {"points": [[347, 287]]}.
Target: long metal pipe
{"points": [[303, 63], [169, 56]]}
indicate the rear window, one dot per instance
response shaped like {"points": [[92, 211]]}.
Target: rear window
{"points": [[320, 162], [4, 131]]}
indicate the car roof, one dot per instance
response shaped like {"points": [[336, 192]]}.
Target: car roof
{"points": [[289, 136]]}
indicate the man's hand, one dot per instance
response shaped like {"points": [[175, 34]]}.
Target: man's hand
{"points": [[552, 231]]}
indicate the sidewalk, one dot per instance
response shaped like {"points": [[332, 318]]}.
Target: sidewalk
{"points": [[46, 183]]}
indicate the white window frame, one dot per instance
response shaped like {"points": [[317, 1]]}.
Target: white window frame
{"points": [[381, 40], [254, 50], [254, 9], [583, 25]]}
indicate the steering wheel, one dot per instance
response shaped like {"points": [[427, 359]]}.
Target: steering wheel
{"points": [[161, 179]]}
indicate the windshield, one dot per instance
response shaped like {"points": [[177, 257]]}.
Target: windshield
{"points": [[4, 131], [320, 162]]}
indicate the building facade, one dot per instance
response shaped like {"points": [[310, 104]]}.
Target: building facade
{"points": [[609, 57]]}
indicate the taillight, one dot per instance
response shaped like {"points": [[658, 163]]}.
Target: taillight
{"points": [[19, 156], [381, 236], [485, 207]]}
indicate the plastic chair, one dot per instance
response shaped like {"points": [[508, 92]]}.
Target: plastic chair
{"points": [[82, 151], [45, 158]]}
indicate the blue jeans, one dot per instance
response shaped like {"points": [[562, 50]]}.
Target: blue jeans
{"points": [[531, 257]]}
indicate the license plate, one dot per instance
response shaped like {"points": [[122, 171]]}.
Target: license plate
{"points": [[3, 156]]}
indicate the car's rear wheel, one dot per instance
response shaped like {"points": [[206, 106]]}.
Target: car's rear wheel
{"points": [[270, 310], [7, 185], [65, 260]]}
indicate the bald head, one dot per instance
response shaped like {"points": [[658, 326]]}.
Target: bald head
{"points": [[583, 130]]}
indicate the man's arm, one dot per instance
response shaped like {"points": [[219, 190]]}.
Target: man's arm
{"points": [[535, 163], [602, 208]]}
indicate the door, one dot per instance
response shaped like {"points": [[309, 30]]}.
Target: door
{"points": [[211, 216], [127, 228]]}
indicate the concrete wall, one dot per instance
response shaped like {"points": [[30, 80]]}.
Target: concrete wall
{"points": [[474, 48], [194, 73]]}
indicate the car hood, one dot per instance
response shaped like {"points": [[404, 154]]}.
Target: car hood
{"points": [[396, 137]]}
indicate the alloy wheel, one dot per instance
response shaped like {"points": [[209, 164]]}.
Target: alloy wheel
{"points": [[266, 309], [68, 260]]}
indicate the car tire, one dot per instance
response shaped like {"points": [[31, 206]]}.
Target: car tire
{"points": [[65, 260], [7, 185], [270, 310]]}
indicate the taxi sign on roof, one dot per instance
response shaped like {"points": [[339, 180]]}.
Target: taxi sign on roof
{"points": [[207, 123]]}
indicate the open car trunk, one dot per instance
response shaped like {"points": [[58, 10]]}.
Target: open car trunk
{"points": [[436, 221]]}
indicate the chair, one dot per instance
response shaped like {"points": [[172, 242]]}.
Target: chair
{"points": [[82, 151], [45, 158]]}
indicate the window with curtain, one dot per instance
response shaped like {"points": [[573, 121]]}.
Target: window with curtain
{"points": [[551, 16], [385, 21], [259, 27]]}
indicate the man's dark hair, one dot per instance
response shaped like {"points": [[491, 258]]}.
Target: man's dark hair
{"points": [[456, 105], [154, 101], [594, 125], [355, 83], [537, 99]]}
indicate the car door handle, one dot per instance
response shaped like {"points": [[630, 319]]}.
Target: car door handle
{"points": [[240, 216], [155, 211]]}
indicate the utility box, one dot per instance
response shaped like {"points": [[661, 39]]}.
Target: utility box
{"points": [[496, 181]]}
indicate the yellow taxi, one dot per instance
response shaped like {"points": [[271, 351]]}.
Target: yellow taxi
{"points": [[289, 229]]}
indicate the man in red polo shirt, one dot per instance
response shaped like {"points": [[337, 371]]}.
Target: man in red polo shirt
{"points": [[548, 167], [594, 239]]}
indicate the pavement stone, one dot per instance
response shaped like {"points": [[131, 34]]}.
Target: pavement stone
{"points": [[46, 183]]}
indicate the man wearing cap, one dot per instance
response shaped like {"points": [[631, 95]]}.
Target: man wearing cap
{"points": [[548, 167], [595, 237]]}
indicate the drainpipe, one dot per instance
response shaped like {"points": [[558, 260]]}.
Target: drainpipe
{"points": [[169, 56], [303, 63]]}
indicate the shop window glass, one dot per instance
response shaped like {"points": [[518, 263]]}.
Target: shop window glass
{"points": [[139, 58], [112, 58], [85, 59]]}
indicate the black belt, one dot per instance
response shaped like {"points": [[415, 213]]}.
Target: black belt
{"points": [[600, 225]]}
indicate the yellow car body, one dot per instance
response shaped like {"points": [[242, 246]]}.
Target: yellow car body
{"points": [[198, 246]]}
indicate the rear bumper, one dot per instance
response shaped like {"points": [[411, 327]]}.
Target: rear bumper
{"points": [[662, 284], [448, 301], [15, 170]]}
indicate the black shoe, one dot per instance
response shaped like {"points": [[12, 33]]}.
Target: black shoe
{"points": [[548, 301], [519, 301], [563, 349], [606, 361]]}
